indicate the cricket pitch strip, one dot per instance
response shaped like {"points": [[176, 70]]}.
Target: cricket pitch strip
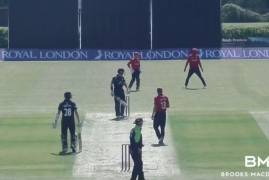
{"points": [[262, 119], [102, 139]]}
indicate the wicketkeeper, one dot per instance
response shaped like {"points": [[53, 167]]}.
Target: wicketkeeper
{"points": [[68, 109], [136, 144], [117, 84]]}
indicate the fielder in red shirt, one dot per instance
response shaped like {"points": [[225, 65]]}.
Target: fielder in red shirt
{"points": [[134, 65], [161, 103], [195, 65]]}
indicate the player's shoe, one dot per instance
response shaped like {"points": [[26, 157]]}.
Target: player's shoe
{"points": [[129, 89], [161, 143], [124, 117], [64, 152], [73, 150], [119, 118], [205, 87]]}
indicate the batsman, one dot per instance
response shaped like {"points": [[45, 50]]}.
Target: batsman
{"points": [[117, 84], [68, 109]]}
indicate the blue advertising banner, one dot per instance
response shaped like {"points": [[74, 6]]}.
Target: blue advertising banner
{"points": [[108, 55]]}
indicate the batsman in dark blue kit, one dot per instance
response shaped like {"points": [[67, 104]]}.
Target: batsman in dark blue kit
{"points": [[136, 144], [117, 84], [68, 109]]}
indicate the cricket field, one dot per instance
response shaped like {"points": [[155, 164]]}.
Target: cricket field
{"points": [[210, 130]]}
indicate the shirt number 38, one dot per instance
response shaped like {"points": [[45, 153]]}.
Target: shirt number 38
{"points": [[67, 112]]}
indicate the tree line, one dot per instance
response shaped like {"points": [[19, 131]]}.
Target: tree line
{"points": [[259, 6]]}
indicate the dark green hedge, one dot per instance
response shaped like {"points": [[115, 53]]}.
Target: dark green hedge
{"points": [[243, 31], [235, 13], [259, 6], [3, 38]]}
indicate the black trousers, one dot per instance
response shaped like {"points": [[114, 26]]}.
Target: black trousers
{"points": [[159, 122], [138, 165], [198, 73], [135, 77], [119, 108], [65, 125]]}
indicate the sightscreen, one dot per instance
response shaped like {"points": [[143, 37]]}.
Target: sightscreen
{"points": [[43, 24], [186, 23], [116, 24]]}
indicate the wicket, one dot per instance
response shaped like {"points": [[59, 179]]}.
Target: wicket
{"points": [[127, 108], [125, 158]]}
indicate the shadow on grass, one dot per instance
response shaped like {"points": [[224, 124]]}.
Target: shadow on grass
{"points": [[66, 154], [158, 145], [194, 89]]}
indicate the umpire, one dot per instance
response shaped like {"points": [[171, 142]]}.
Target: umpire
{"points": [[136, 144], [117, 91], [68, 110]]}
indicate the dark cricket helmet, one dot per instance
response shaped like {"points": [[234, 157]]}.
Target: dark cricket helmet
{"points": [[138, 121], [120, 71], [67, 95]]}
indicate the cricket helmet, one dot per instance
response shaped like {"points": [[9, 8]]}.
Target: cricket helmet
{"points": [[120, 71], [194, 50], [136, 54], [67, 95], [138, 121]]}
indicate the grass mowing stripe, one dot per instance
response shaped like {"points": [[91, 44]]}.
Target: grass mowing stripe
{"points": [[35, 89], [210, 143], [29, 154]]}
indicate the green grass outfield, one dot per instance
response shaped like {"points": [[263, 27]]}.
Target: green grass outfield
{"points": [[246, 25], [212, 128]]}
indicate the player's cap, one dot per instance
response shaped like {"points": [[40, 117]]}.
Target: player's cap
{"points": [[120, 71], [138, 121], [194, 50], [160, 90], [137, 55], [67, 95]]}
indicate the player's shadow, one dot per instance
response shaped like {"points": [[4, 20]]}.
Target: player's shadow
{"points": [[158, 145], [66, 154], [194, 89], [119, 119]]}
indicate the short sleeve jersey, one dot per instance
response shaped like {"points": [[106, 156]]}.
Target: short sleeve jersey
{"points": [[194, 61], [161, 103], [67, 108], [118, 83], [135, 64]]}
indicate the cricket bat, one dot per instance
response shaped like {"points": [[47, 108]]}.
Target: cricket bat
{"points": [[79, 139], [121, 101], [79, 142]]}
